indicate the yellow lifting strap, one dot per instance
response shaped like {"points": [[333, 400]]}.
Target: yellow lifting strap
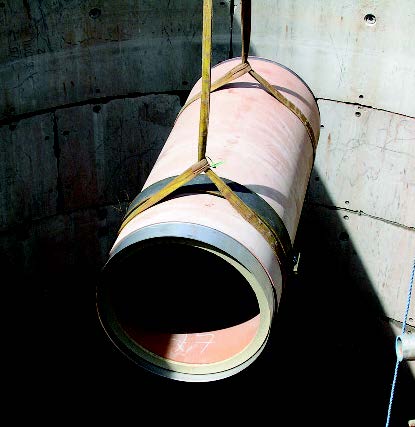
{"points": [[206, 66], [243, 68], [173, 185], [202, 166], [254, 219]]}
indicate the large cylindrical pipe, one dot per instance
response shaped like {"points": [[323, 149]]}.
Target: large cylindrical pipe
{"points": [[190, 287]]}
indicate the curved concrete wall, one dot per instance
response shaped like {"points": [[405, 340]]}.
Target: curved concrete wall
{"points": [[59, 53], [89, 91]]}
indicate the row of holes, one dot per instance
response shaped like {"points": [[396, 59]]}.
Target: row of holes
{"points": [[95, 13]]}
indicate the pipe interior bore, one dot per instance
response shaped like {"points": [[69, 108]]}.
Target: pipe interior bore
{"points": [[177, 305]]}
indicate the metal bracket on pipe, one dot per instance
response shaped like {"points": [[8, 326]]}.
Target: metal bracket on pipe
{"points": [[296, 261], [405, 347]]}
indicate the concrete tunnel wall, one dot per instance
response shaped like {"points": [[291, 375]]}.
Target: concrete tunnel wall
{"points": [[119, 75], [88, 95]]}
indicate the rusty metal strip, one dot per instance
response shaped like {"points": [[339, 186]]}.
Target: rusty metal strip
{"points": [[245, 29]]}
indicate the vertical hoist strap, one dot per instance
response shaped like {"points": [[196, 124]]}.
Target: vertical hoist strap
{"points": [[206, 69], [245, 29]]}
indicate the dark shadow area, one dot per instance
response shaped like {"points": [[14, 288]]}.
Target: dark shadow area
{"points": [[157, 287], [329, 360]]}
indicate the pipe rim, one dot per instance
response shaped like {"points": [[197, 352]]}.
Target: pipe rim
{"points": [[231, 251], [398, 348]]}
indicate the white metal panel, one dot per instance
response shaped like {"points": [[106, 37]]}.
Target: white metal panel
{"points": [[337, 52]]}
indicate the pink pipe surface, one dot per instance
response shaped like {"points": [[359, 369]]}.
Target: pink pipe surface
{"points": [[262, 145]]}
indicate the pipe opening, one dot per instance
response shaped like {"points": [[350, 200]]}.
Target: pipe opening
{"points": [[405, 346], [398, 348], [175, 288], [174, 301]]}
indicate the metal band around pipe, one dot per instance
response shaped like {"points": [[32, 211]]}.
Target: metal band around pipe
{"points": [[203, 184]]}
